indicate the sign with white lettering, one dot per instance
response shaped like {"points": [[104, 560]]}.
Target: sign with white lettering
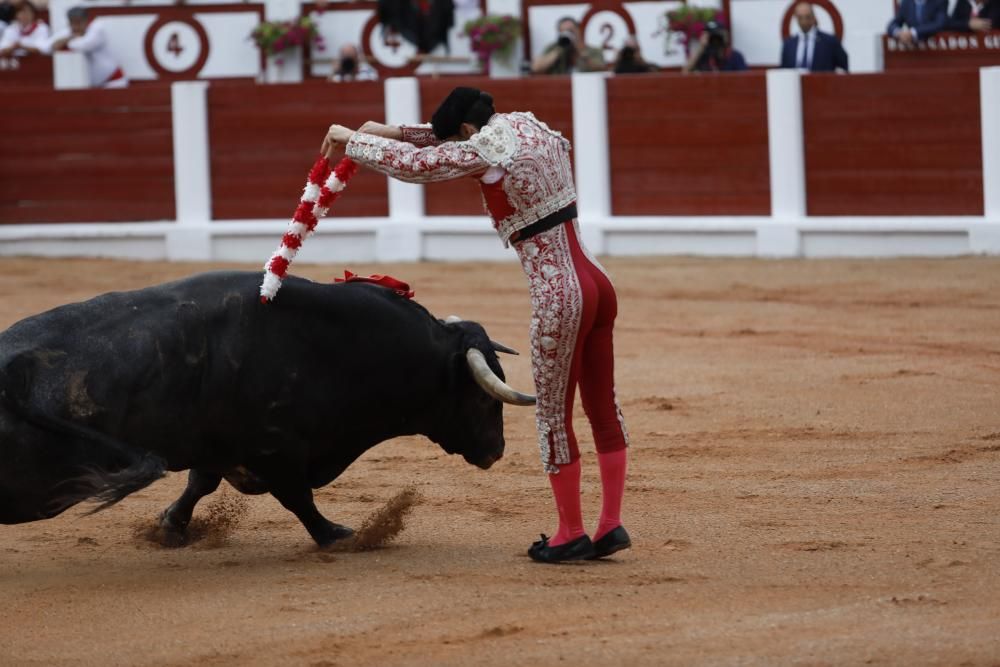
{"points": [[944, 50]]}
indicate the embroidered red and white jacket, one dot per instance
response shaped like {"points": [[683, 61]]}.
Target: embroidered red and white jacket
{"points": [[523, 167]]}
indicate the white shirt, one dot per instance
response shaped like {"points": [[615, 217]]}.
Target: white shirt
{"points": [[807, 46], [38, 38], [101, 61], [364, 72]]}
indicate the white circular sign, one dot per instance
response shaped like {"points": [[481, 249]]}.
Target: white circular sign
{"points": [[606, 30], [390, 50], [176, 46]]}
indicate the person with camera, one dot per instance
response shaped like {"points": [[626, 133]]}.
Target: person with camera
{"points": [[568, 53], [630, 60], [713, 53], [350, 66]]}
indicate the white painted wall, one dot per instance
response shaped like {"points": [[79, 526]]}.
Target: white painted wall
{"points": [[409, 235], [757, 31]]}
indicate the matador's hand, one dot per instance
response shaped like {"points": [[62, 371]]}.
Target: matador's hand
{"points": [[336, 140]]}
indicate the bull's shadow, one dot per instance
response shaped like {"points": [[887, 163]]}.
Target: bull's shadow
{"points": [[99, 399]]}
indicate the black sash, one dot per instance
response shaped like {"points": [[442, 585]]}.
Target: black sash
{"points": [[546, 223]]}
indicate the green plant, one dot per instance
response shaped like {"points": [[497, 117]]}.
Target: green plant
{"points": [[493, 33], [689, 23], [274, 37]]}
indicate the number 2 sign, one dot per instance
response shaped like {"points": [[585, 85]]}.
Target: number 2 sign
{"points": [[607, 28]]}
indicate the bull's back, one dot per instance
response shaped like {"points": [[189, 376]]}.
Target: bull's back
{"points": [[202, 357]]}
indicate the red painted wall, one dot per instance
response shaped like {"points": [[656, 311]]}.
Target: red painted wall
{"points": [[264, 139], [896, 143], [548, 98], [86, 156], [689, 145]]}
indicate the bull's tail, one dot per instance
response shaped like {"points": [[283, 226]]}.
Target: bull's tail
{"points": [[106, 487], [121, 470]]}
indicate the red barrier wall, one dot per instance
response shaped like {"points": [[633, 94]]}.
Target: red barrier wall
{"points": [[895, 143], [264, 139], [548, 98], [689, 145], [86, 156]]}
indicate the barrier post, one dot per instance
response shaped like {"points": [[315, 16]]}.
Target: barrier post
{"points": [[190, 238], [985, 237], [592, 161], [786, 150], [399, 239]]}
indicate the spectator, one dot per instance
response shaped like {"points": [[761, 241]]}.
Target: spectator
{"points": [[630, 60], [713, 53], [569, 53], [917, 20], [88, 37], [975, 16], [28, 34], [8, 11], [812, 50], [350, 66], [423, 23]]}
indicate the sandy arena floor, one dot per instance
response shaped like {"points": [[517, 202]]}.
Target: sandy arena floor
{"points": [[816, 456]]}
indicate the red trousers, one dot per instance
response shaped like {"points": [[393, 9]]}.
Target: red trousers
{"points": [[573, 316]]}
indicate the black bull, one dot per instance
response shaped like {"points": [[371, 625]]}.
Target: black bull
{"points": [[98, 399]]}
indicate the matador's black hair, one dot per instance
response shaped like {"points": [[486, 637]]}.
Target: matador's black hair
{"points": [[463, 105]]}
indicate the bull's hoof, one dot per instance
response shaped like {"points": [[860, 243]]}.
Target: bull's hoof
{"points": [[335, 535], [170, 534], [173, 539]]}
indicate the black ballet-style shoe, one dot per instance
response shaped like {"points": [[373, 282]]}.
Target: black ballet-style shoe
{"points": [[612, 542], [579, 549]]}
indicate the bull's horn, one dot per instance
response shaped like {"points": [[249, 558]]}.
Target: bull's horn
{"points": [[497, 347], [500, 347], [491, 384]]}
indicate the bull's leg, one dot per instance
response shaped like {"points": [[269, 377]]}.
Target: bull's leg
{"points": [[175, 519], [297, 498]]}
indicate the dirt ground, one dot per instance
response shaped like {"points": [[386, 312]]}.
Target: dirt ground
{"points": [[814, 481]]}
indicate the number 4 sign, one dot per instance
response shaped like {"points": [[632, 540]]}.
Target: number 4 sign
{"points": [[176, 48]]}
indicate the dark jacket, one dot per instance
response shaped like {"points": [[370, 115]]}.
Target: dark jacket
{"points": [[962, 14], [729, 60], [828, 53], [934, 19]]}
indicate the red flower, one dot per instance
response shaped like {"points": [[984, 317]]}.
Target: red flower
{"points": [[345, 170], [279, 266], [304, 214], [320, 171]]}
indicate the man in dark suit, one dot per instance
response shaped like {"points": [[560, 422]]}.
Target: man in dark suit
{"points": [[917, 20], [975, 16], [813, 50]]}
